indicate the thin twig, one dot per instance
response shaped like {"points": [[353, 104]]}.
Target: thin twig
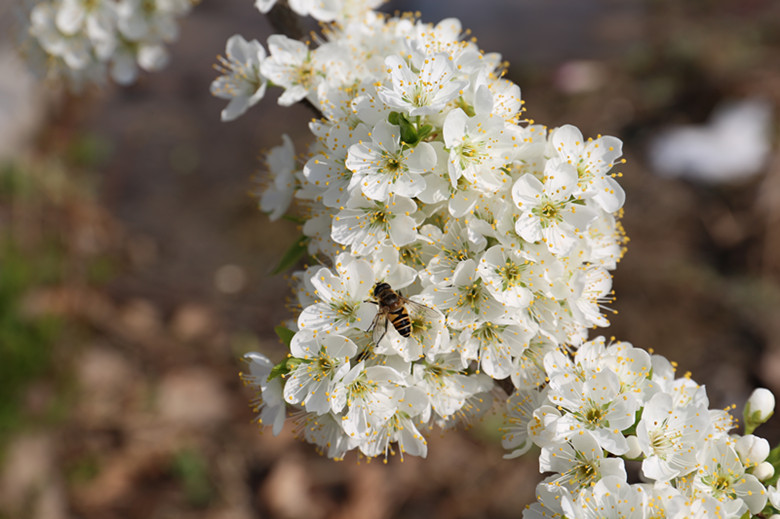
{"points": [[285, 21]]}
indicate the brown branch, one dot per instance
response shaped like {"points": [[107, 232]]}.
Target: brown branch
{"points": [[285, 21]]}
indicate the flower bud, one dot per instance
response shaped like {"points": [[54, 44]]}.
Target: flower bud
{"points": [[634, 448], [764, 471], [752, 450], [774, 495], [758, 409]]}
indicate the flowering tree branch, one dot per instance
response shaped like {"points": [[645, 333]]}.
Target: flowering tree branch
{"points": [[466, 249]]}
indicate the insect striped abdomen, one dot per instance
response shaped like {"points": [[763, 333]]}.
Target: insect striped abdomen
{"points": [[401, 322]]}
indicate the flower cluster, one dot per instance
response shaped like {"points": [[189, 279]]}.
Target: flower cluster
{"points": [[498, 234], [82, 40], [608, 403], [457, 245]]}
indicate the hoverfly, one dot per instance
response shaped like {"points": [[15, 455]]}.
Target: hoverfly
{"points": [[395, 309]]}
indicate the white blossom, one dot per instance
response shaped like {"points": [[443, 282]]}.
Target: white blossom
{"points": [[365, 225], [670, 437], [382, 167], [579, 463], [324, 358], [594, 405], [479, 147], [276, 198], [520, 407], [468, 300], [400, 428], [293, 66], [241, 81], [550, 212], [722, 475], [269, 402], [752, 450], [494, 345], [425, 92], [370, 396], [610, 498], [342, 300], [592, 159]]}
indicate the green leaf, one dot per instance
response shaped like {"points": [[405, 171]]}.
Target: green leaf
{"points": [[393, 118], [285, 334], [293, 254], [280, 370], [768, 510]]}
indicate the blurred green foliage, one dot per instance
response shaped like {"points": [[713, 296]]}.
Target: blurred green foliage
{"points": [[191, 469], [34, 255], [84, 469], [26, 342], [13, 181], [89, 150]]}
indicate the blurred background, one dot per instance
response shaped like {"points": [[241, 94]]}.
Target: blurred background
{"points": [[134, 264]]}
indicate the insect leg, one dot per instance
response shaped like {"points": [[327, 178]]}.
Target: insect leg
{"points": [[387, 321]]}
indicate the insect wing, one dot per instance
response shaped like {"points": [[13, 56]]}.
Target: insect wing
{"points": [[421, 314], [379, 327]]}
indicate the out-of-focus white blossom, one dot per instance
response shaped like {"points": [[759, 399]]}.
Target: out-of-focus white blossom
{"points": [[733, 145], [85, 40], [276, 197]]}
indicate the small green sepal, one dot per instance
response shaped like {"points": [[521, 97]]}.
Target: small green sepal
{"points": [[280, 370]]}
